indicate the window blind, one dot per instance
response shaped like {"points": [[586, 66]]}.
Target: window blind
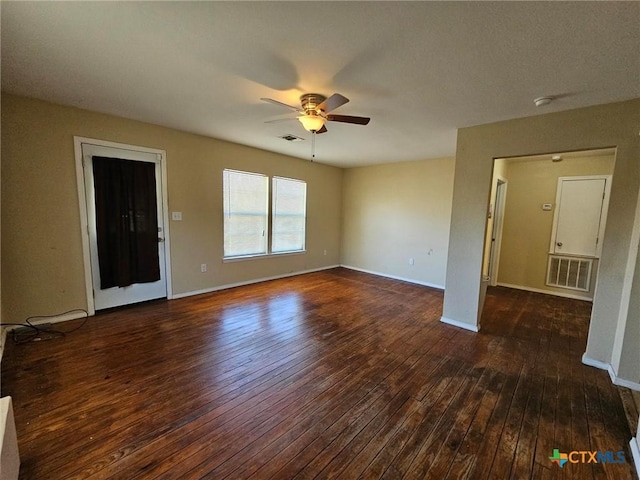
{"points": [[246, 213], [289, 215]]}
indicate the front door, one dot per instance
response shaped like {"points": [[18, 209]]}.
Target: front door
{"points": [[115, 285]]}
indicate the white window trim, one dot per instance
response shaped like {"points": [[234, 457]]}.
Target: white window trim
{"points": [[272, 217], [269, 254], [243, 258], [268, 224]]}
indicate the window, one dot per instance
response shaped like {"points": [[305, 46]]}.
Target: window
{"points": [[247, 215], [289, 215]]}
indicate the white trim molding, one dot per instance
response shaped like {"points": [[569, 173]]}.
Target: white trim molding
{"points": [[248, 282], [621, 382], [65, 317], [72, 315], [456, 323], [498, 227], [82, 206], [395, 277], [594, 363], [546, 292]]}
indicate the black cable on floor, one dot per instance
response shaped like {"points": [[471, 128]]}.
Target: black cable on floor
{"points": [[38, 330]]}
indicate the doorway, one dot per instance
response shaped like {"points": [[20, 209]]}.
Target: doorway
{"points": [[125, 241], [529, 246]]}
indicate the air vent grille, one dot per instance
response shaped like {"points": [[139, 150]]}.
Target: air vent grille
{"points": [[569, 272], [291, 138]]}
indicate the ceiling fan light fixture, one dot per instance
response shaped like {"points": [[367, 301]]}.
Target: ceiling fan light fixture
{"points": [[312, 123]]}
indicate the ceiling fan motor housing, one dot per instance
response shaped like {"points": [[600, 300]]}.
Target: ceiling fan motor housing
{"points": [[310, 101]]}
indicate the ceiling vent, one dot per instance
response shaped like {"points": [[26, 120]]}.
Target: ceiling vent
{"points": [[291, 138]]}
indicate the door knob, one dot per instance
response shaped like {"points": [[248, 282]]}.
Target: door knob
{"points": [[559, 244]]}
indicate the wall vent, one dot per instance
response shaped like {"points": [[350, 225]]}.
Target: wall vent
{"points": [[573, 273], [291, 138]]}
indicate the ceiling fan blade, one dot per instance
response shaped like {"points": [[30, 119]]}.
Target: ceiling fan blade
{"points": [[323, 129], [348, 119], [334, 101], [276, 102]]}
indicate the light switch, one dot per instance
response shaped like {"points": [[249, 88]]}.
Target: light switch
{"points": [[177, 216], [546, 207]]}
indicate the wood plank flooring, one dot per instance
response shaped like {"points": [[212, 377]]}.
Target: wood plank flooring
{"points": [[336, 374]]}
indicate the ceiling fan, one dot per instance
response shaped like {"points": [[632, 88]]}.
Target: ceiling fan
{"points": [[314, 111]]}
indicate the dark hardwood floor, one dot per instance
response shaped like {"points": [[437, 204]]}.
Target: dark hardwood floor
{"points": [[330, 374]]}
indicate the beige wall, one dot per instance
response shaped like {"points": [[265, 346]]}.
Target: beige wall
{"points": [[527, 228], [629, 365], [395, 212], [42, 264], [612, 125], [626, 356]]}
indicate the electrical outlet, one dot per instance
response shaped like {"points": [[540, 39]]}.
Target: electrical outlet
{"points": [[203, 267], [411, 261], [325, 252], [176, 216]]}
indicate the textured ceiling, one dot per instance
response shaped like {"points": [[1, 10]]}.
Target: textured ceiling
{"points": [[420, 70]]}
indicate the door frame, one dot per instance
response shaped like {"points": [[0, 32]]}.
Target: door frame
{"points": [[82, 205], [499, 203], [603, 213]]}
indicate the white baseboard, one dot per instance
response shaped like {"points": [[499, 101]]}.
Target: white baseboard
{"points": [[633, 444], [456, 323], [395, 277], [248, 282], [53, 319], [39, 321], [635, 452], [594, 363], [546, 292], [621, 382]]}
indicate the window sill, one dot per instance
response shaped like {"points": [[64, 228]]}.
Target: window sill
{"points": [[261, 256]]}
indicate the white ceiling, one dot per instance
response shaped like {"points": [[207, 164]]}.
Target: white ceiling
{"points": [[420, 70]]}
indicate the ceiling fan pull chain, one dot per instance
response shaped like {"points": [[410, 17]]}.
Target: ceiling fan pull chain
{"points": [[313, 145]]}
